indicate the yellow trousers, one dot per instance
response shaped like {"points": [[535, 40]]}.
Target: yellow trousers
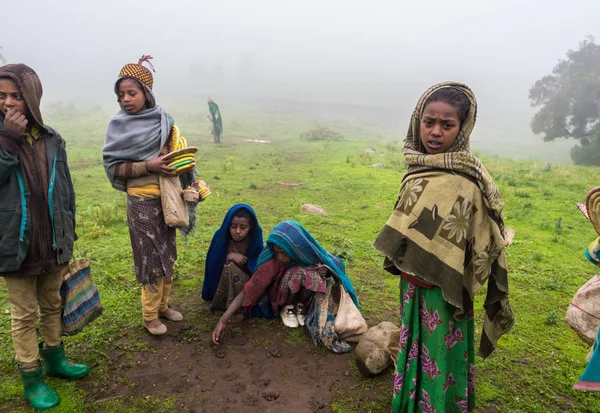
{"points": [[26, 294], [155, 298]]}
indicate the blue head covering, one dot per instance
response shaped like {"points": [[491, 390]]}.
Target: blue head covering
{"points": [[218, 250], [304, 250]]}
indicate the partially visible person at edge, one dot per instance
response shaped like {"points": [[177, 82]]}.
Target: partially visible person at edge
{"points": [[590, 378], [295, 277], [445, 239], [37, 223], [232, 258], [137, 139]]}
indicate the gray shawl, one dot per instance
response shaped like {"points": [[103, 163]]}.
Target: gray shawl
{"points": [[134, 138]]}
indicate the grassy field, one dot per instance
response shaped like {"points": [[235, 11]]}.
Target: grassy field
{"points": [[533, 369]]}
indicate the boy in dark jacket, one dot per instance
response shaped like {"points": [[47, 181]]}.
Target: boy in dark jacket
{"points": [[37, 231]]}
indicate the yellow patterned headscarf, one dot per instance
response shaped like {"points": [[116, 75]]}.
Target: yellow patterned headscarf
{"points": [[139, 72]]}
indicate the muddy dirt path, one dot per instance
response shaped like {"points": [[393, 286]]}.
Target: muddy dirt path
{"points": [[261, 366]]}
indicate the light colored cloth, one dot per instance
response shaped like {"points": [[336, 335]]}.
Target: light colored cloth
{"points": [[155, 298], [26, 294], [583, 313]]}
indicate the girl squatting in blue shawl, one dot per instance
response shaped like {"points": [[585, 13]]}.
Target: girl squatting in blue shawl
{"points": [[294, 271], [232, 257]]}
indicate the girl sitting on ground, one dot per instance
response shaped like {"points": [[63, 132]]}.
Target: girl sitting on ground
{"points": [[232, 258], [295, 276]]}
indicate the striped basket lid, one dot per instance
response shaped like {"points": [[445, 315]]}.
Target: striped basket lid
{"points": [[591, 208]]}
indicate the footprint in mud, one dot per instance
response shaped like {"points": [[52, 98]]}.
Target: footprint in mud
{"points": [[316, 406], [181, 334], [264, 382], [257, 371], [231, 376], [270, 395], [250, 400], [223, 364], [274, 353], [238, 388]]}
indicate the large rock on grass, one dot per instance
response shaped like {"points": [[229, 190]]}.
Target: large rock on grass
{"points": [[369, 151], [377, 349], [313, 209]]}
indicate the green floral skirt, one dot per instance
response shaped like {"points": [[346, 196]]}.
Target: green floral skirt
{"points": [[436, 362]]}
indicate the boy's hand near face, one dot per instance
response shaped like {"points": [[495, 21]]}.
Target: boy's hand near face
{"points": [[15, 121]]}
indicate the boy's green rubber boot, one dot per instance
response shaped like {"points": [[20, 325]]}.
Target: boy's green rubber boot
{"points": [[56, 365], [36, 390]]}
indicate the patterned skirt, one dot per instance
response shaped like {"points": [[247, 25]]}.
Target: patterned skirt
{"points": [[231, 283], [436, 361], [296, 278], [153, 242]]}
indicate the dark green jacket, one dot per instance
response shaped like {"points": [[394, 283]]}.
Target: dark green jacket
{"points": [[37, 204]]}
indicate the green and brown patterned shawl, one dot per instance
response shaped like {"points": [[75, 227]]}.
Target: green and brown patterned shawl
{"points": [[447, 228]]}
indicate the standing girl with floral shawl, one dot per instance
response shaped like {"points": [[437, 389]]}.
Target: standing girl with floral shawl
{"points": [[137, 139], [445, 239]]}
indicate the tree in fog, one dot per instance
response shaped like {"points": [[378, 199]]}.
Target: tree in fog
{"points": [[2, 59], [570, 102]]}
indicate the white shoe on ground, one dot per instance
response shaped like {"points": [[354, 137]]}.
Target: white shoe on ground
{"points": [[300, 314], [288, 316]]}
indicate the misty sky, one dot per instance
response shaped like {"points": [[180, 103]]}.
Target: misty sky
{"points": [[376, 52]]}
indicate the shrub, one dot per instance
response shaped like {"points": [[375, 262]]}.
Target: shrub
{"points": [[322, 133]]}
